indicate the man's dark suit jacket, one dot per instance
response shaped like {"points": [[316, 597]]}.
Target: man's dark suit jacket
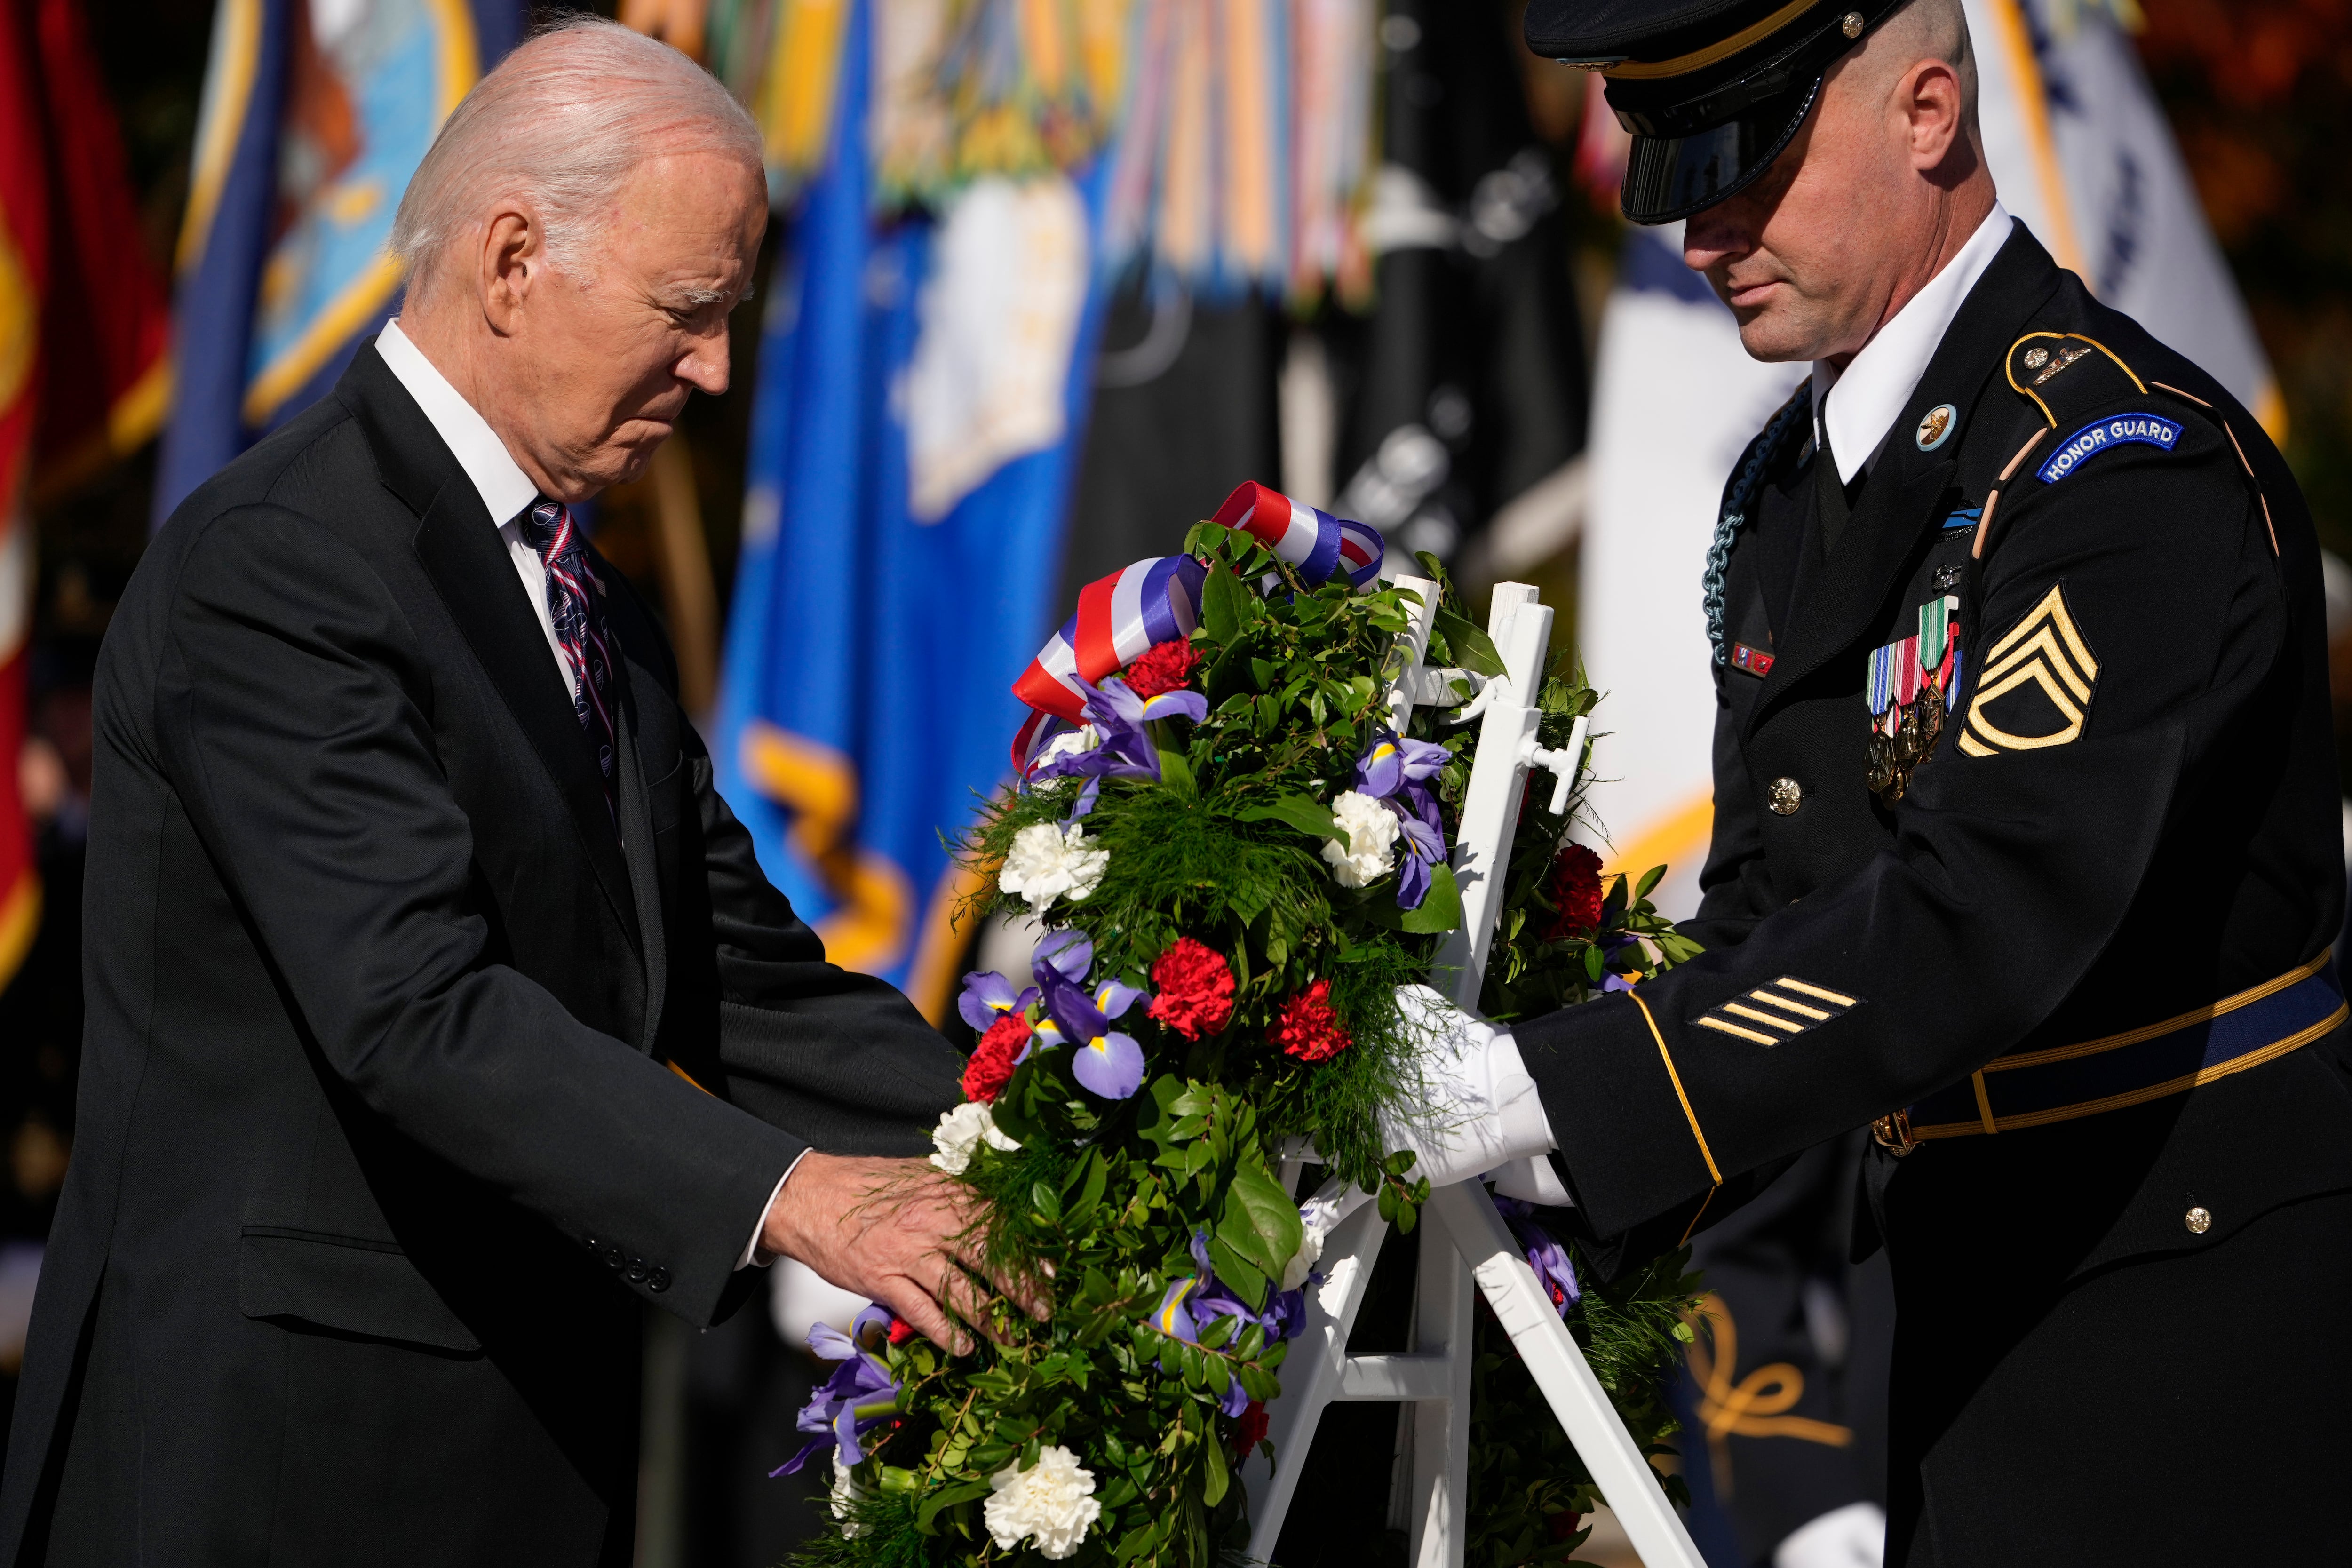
{"points": [[407, 1076]]}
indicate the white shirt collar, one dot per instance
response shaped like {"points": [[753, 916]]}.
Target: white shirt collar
{"points": [[1873, 390], [505, 490]]}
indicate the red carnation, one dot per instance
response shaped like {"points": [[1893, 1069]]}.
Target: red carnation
{"points": [[1307, 1026], [901, 1331], [1574, 889], [1196, 986], [993, 1059], [1163, 667], [1564, 1525], [1249, 1429]]}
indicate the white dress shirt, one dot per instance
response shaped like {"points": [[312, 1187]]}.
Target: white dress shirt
{"points": [[1873, 390], [506, 490], [507, 493]]}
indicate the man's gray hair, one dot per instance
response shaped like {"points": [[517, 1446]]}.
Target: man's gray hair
{"points": [[561, 124]]}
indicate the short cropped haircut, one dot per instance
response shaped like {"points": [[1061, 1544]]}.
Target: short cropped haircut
{"points": [[561, 124], [1934, 30]]}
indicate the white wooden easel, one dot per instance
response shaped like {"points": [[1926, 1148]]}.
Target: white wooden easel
{"points": [[1464, 1240]]}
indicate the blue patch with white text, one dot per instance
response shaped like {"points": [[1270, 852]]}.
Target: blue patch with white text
{"points": [[2100, 435]]}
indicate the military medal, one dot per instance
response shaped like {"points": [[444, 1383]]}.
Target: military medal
{"points": [[1909, 681]]}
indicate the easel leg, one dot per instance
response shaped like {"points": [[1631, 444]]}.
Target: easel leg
{"points": [[1440, 1501]]}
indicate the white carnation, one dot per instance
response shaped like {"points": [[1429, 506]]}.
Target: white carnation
{"points": [[846, 1491], [1069, 744], [960, 1132], [1050, 1500], [1048, 862], [1369, 851]]}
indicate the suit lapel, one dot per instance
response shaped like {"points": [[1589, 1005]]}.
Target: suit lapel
{"points": [[1841, 600], [645, 870], [458, 545]]}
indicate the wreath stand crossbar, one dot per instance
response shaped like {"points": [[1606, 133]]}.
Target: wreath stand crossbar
{"points": [[1464, 1240]]}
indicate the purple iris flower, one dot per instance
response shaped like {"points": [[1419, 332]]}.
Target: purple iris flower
{"points": [[1393, 771], [1546, 1257], [1191, 1303], [1176, 1318], [1124, 748], [1109, 1063], [1061, 955], [988, 996], [860, 1395], [1390, 762], [1284, 1314], [1425, 843]]}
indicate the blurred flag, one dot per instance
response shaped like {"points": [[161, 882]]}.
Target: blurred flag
{"points": [[315, 114], [82, 370], [2083, 157], [919, 381]]}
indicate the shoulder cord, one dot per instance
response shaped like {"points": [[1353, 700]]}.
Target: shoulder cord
{"points": [[1758, 458]]}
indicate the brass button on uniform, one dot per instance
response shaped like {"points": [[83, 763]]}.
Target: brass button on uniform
{"points": [[2198, 1220], [2036, 357], [1784, 795], [1852, 25]]}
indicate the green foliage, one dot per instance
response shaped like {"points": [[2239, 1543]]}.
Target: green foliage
{"points": [[1104, 1201]]}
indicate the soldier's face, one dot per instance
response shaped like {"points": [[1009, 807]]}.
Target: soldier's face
{"points": [[1849, 221]]}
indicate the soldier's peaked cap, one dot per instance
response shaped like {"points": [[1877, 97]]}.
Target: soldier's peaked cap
{"points": [[1712, 89]]}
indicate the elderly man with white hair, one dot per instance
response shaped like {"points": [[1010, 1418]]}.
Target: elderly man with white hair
{"points": [[439, 1014]]}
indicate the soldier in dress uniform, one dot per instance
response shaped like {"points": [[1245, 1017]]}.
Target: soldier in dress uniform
{"points": [[2026, 846]]}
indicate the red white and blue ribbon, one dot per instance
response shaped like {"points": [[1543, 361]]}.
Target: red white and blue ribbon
{"points": [[1315, 541], [1122, 616]]}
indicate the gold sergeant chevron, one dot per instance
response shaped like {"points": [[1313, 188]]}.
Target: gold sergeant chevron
{"points": [[2044, 652]]}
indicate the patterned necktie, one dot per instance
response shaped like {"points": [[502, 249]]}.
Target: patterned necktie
{"points": [[548, 528]]}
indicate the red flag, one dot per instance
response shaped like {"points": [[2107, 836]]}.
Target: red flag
{"points": [[105, 377], [24, 272], [83, 329]]}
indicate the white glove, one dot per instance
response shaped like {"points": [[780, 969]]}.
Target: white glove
{"points": [[1853, 1536], [1477, 1107]]}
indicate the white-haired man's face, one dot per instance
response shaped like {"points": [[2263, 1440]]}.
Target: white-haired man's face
{"points": [[1875, 190], [583, 372]]}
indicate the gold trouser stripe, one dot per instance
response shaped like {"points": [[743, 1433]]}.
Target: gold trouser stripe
{"points": [[2180, 1085], [1984, 1104], [1667, 1057], [2206, 1014]]}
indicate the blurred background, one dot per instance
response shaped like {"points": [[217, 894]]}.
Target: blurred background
{"points": [[1047, 278]]}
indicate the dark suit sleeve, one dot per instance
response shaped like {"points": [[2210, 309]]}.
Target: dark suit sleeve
{"points": [[843, 1061], [2009, 872], [293, 718]]}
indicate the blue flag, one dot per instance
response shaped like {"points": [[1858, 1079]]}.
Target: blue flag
{"points": [[912, 452], [313, 120]]}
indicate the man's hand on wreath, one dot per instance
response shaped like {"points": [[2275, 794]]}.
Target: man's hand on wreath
{"points": [[898, 1233]]}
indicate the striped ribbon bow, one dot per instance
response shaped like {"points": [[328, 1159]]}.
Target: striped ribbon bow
{"points": [[1125, 614]]}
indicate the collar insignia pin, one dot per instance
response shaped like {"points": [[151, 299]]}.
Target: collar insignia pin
{"points": [[1937, 427]]}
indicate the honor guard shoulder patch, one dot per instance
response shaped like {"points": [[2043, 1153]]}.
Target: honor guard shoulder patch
{"points": [[1781, 1011], [2034, 689], [2103, 435]]}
